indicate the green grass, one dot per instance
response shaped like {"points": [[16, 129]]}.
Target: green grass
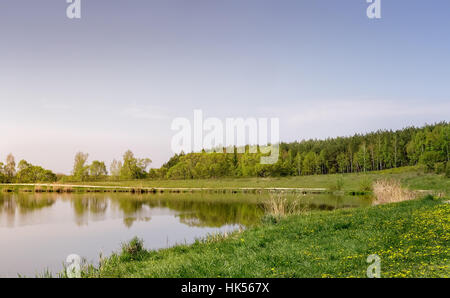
{"points": [[412, 238], [412, 177]]}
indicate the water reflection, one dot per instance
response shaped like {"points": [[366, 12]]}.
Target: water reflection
{"points": [[38, 231], [199, 210], [23, 203], [13, 206]]}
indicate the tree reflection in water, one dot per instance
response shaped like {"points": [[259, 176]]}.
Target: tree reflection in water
{"points": [[195, 210]]}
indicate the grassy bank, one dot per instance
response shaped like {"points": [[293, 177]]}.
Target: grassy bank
{"points": [[412, 238], [411, 177]]}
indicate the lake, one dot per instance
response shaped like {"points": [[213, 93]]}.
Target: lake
{"points": [[39, 230]]}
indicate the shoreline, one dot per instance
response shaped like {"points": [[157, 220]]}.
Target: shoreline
{"points": [[47, 187]]}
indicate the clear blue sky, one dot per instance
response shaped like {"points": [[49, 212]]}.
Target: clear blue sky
{"points": [[117, 77]]}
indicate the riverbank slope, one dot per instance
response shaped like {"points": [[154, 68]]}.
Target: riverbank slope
{"points": [[411, 238]]}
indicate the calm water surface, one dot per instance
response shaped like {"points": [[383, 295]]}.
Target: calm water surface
{"points": [[38, 231]]}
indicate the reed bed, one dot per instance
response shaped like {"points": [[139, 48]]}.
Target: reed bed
{"points": [[279, 205], [391, 191]]}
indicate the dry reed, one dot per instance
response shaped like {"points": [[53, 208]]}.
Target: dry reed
{"points": [[391, 191], [278, 205]]}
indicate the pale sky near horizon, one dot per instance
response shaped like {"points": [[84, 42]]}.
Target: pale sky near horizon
{"points": [[115, 79]]}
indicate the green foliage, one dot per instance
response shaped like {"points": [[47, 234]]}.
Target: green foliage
{"points": [[338, 185], [430, 198], [360, 153], [115, 168], [343, 163], [310, 163], [9, 169], [97, 169], [160, 173], [133, 168], [429, 159], [132, 250], [207, 165], [365, 184], [80, 170], [439, 167], [31, 174], [3, 178]]}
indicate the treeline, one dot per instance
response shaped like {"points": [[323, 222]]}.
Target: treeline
{"points": [[24, 173], [127, 169], [384, 149]]}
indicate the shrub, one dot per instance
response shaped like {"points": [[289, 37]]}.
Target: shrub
{"points": [[365, 185], [133, 250], [439, 167], [428, 159], [429, 197]]}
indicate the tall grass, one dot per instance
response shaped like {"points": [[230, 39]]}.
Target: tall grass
{"points": [[279, 205], [390, 191], [365, 184]]}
